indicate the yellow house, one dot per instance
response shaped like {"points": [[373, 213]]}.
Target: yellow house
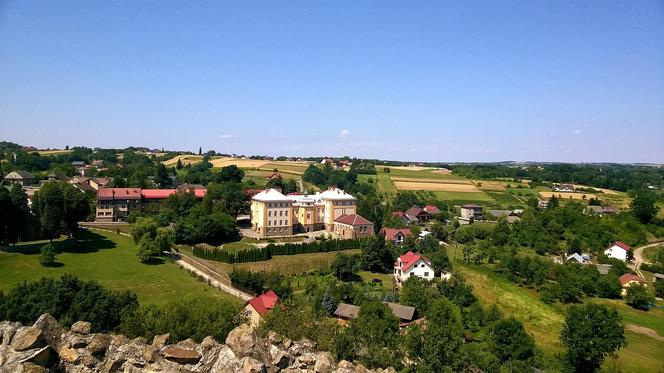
{"points": [[271, 213]]}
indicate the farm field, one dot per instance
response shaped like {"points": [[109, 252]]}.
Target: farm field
{"points": [[283, 264], [110, 259], [436, 186], [184, 159], [54, 152], [422, 180], [544, 322], [566, 195]]}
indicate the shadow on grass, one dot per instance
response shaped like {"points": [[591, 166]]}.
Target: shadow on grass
{"points": [[89, 242], [154, 261], [55, 265]]}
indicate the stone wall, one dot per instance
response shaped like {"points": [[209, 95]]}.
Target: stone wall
{"points": [[47, 347]]}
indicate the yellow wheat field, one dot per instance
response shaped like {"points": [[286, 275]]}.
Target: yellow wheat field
{"points": [[242, 163], [564, 195], [489, 185], [437, 181], [435, 187]]}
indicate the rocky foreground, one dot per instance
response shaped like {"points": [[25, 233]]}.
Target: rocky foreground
{"points": [[47, 347]]}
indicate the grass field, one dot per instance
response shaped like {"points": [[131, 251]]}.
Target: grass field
{"points": [[285, 264], [544, 321], [110, 259], [436, 186]]}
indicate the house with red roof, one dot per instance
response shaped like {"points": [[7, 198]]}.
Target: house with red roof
{"points": [[257, 308], [618, 250], [412, 264], [629, 279], [431, 209], [352, 226], [417, 213], [395, 235]]}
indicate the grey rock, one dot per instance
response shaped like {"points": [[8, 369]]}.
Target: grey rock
{"points": [[251, 365], [51, 330], [160, 340], [81, 327], [242, 340], [99, 343], [324, 362]]}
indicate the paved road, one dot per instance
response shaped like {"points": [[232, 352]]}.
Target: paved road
{"points": [[639, 259]]}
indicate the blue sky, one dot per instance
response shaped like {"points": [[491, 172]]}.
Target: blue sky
{"points": [[408, 80]]}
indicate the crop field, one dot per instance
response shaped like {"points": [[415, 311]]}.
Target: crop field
{"points": [[565, 195], [297, 168], [184, 159], [490, 185], [54, 152], [435, 187], [422, 180]]}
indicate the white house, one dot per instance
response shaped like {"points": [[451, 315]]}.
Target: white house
{"points": [[618, 250], [412, 265]]}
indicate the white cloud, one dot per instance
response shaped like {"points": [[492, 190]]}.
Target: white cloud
{"points": [[343, 134], [226, 136], [577, 132]]}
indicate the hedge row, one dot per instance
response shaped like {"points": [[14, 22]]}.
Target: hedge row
{"points": [[655, 268], [266, 253]]}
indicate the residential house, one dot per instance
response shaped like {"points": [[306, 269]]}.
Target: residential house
{"points": [[402, 216], [346, 312], [618, 250], [395, 235], [628, 279], [412, 265], [565, 188], [599, 210], [512, 219], [471, 212], [578, 258], [542, 204], [78, 163], [405, 314], [23, 178], [353, 226], [431, 209], [501, 213], [257, 308], [418, 213], [100, 182]]}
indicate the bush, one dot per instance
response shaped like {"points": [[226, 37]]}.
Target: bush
{"points": [[638, 297], [260, 282], [68, 299], [47, 256]]}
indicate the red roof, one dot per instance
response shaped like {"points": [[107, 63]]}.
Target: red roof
{"points": [[164, 193], [118, 193], [264, 302], [621, 245], [274, 175], [410, 258], [391, 233], [352, 219], [415, 211], [627, 277], [398, 214], [431, 209]]}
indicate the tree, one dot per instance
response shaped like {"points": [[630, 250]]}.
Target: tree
{"points": [[200, 150], [51, 209], [591, 332], [509, 340], [501, 233], [440, 261], [47, 257], [553, 203], [151, 240], [437, 347], [375, 257], [643, 206], [638, 297], [328, 303], [609, 286], [161, 175], [179, 166], [418, 293], [345, 267], [374, 335], [230, 173], [659, 288]]}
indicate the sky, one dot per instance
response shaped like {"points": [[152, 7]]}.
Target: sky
{"points": [[449, 81]]}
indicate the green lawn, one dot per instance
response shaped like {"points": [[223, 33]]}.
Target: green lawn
{"points": [[463, 197], [110, 259], [544, 321]]}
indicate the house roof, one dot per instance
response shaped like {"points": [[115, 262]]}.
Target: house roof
{"points": [[609, 209], [621, 245], [500, 213], [391, 233], [471, 206], [270, 195], [352, 219], [628, 277], [336, 194], [398, 214], [164, 193], [415, 211], [347, 310], [19, 174], [264, 302], [84, 187], [403, 312], [118, 193], [431, 209], [576, 257], [410, 258]]}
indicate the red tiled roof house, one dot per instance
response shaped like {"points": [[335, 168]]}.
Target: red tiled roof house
{"points": [[257, 308], [412, 264], [618, 250], [395, 235], [351, 226]]}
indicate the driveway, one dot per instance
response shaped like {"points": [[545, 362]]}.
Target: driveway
{"points": [[640, 259]]}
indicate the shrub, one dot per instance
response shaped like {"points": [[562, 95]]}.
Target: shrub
{"points": [[47, 256]]}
